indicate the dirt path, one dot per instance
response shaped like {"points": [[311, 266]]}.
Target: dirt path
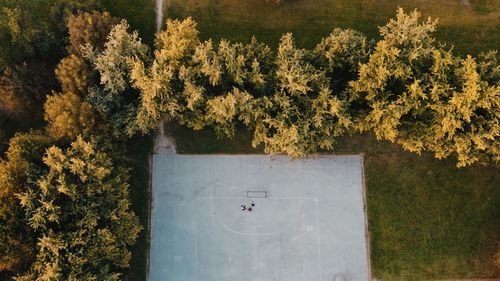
{"points": [[164, 143], [159, 14]]}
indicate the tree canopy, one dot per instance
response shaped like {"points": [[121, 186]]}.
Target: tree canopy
{"points": [[79, 213], [21, 168]]}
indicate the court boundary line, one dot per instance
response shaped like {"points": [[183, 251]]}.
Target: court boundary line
{"points": [[365, 211]]}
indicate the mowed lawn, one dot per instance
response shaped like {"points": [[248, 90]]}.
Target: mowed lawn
{"points": [[140, 14], [470, 25], [427, 219]]}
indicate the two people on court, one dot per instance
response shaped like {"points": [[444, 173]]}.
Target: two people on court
{"points": [[248, 207]]}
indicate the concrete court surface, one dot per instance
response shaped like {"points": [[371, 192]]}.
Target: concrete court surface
{"points": [[310, 227]]}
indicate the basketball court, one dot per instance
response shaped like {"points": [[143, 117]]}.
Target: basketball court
{"points": [[308, 222]]}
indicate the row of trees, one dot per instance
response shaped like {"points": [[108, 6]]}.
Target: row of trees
{"points": [[404, 87]]}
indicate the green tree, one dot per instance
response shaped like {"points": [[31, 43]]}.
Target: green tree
{"points": [[114, 97], [113, 62], [303, 115], [424, 98], [466, 117], [68, 116], [21, 168], [89, 28], [173, 48], [340, 54], [22, 92], [384, 85], [488, 68], [80, 212], [35, 29], [219, 84], [74, 75]]}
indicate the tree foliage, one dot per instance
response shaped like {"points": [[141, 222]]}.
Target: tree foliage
{"points": [[221, 82], [404, 88], [303, 115], [35, 29], [68, 116], [89, 28], [81, 215], [74, 75], [20, 169], [20, 91], [113, 62], [423, 97], [174, 46], [114, 96], [398, 61]]}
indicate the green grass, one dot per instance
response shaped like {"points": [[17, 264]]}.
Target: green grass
{"points": [[205, 141], [427, 219], [471, 29], [139, 150], [140, 14]]}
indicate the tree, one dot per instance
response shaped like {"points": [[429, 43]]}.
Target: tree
{"points": [[114, 97], [340, 55], [74, 75], [31, 30], [113, 62], [425, 98], [298, 101], [174, 47], [21, 168], [223, 112], [22, 92], [80, 211], [488, 68], [233, 74], [89, 28], [466, 117], [398, 61], [303, 115], [69, 116]]}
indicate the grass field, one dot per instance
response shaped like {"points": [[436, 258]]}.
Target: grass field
{"points": [[428, 219], [139, 151], [471, 26], [140, 14]]}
